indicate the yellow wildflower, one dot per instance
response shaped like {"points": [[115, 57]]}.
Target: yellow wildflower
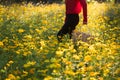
{"points": [[28, 36], [106, 71], [83, 70], [92, 49], [30, 63], [25, 73], [42, 42], [18, 52], [44, 21], [100, 45], [11, 62], [76, 57], [5, 67], [87, 58], [26, 53], [38, 31], [99, 57], [68, 72], [7, 79], [59, 53], [55, 71], [58, 65], [90, 68], [94, 73], [21, 30], [68, 62], [1, 43], [8, 65], [92, 78], [81, 64], [48, 78], [11, 77], [100, 78], [109, 64]]}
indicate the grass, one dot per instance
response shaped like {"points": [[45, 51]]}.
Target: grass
{"points": [[29, 49]]}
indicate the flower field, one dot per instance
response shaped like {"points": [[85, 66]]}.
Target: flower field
{"points": [[29, 49]]}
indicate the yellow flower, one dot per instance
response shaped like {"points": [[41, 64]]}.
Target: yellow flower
{"points": [[7, 79], [8, 64], [11, 77], [87, 58], [100, 78], [90, 68], [18, 52], [21, 30], [38, 31], [58, 65], [109, 64], [92, 49], [83, 70], [54, 71], [11, 62], [99, 57], [68, 62], [30, 63], [1, 43], [81, 64], [76, 57], [42, 42], [25, 73], [94, 73], [106, 71], [68, 72], [59, 53], [55, 65], [48, 78], [26, 53], [28, 36], [92, 78], [44, 21], [100, 45], [43, 71], [5, 67]]}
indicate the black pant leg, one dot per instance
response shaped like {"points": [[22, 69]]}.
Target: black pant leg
{"points": [[74, 20], [70, 23]]}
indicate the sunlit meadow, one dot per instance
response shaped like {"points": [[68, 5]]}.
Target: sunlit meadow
{"points": [[29, 49]]}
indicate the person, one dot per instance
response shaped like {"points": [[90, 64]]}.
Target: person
{"points": [[73, 8]]}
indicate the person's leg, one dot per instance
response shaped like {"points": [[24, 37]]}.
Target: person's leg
{"points": [[70, 23], [73, 23]]}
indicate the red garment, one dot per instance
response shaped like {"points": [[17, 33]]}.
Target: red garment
{"points": [[75, 6]]}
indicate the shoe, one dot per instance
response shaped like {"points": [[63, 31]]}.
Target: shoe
{"points": [[59, 36]]}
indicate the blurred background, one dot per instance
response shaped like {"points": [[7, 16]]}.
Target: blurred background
{"points": [[7, 2]]}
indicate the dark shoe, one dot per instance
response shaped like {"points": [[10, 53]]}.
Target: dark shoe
{"points": [[59, 36]]}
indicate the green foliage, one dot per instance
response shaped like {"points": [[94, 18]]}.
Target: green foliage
{"points": [[29, 49]]}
